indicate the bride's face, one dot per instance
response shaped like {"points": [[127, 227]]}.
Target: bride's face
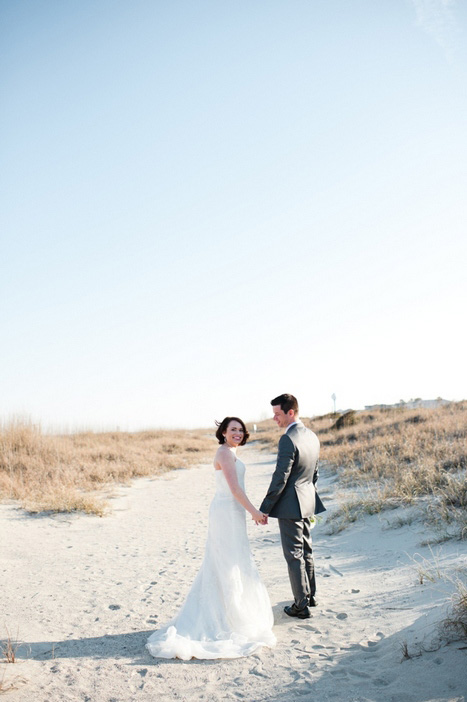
{"points": [[234, 434]]}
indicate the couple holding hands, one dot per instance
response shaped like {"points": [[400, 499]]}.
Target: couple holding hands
{"points": [[227, 612]]}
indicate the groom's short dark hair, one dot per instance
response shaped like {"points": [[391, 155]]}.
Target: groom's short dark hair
{"points": [[287, 402]]}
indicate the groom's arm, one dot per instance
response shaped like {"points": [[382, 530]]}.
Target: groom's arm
{"points": [[285, 459]]}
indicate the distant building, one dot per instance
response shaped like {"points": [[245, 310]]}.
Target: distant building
{"points": [[411, 404]]}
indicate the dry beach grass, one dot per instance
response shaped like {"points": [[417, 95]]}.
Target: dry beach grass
{"points": [[68, 473]]}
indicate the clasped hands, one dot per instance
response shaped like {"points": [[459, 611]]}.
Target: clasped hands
{"points": [[261, 520]]}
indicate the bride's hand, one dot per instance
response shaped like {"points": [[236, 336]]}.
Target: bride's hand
{"points": [[259, 518]]}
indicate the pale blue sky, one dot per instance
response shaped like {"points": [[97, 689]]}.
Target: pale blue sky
{"points": [[207, 203]]}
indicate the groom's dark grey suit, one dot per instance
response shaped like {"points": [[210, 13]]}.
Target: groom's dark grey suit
{"points": [[293, 499]]}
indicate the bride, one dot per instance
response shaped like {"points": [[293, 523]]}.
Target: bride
{"points": [[227, 612]]}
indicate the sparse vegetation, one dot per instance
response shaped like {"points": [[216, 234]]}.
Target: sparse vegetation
{"points": [[9, 646], [10, 683], [454, 627], [68, 473], [352, 509], [408, 655], [428, 570]]}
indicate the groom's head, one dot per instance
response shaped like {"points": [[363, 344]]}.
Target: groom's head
{"points": [[285, 408]]}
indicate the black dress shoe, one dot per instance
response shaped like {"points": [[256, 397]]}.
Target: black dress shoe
{"points": [[293, 611], [313, 602]]}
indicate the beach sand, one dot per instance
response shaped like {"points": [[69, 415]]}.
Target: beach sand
{"points": [[82, 594]]}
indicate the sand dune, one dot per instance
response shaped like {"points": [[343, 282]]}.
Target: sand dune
{"points": [[83, 593]]}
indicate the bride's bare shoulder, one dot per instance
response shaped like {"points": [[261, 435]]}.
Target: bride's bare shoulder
{"points": [[223, 457], [218, 456]]}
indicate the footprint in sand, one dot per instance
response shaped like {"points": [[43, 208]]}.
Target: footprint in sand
{"points": [[381, 682], [370, 644], [302, 688], [339, 672], [359, 673], [379, 635], [308, 627], [258, 670]]}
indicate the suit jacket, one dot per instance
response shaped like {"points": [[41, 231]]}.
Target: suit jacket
{"points": [[292, 492]]}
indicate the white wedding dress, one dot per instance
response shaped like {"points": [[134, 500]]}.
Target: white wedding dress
{"points": [[227, 613]]}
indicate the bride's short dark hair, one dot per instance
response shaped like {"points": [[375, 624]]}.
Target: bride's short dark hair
{"points": [[222, 427]]}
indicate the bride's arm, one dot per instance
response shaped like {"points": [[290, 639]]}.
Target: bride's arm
{"points": [[226, 461]]}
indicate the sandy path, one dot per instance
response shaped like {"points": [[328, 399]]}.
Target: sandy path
{"points": [[83, 593]]}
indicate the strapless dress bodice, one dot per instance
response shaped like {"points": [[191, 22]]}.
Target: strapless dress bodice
{"points": [[222, 486]]}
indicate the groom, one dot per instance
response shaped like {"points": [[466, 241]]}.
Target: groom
{"points": [[292, 498]]}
